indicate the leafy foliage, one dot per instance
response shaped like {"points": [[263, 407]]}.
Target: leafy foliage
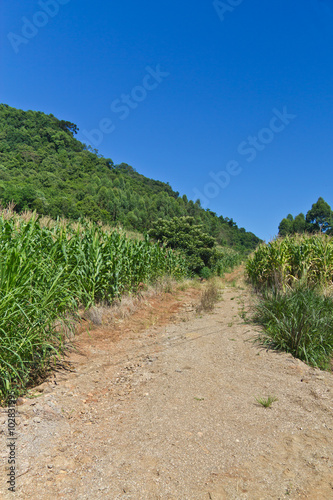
{"points": [[318, 219], [43, 167], [202, 254], [181, 233], [320, 216]]}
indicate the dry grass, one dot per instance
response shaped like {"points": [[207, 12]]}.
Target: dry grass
{"points": [[209, 297], [95, 315], [127, 305]]}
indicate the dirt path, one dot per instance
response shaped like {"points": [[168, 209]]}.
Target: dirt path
{"points": [[168, 412]]}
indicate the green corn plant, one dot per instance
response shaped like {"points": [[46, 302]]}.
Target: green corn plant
{"points": [[283, 262], [46, 272]]}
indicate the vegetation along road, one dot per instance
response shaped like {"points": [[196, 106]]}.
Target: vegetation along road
{"points": [[166, 401]]}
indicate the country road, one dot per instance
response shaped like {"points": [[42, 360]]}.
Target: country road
{"points": [[162, 406]]}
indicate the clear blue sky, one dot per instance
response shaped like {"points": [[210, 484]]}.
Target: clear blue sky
{"points": [[221, 72]]}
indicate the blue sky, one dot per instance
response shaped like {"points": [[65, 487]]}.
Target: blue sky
{"points": [[229, 102]]}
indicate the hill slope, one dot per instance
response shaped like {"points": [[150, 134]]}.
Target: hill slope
{"points": [[44, 168]]}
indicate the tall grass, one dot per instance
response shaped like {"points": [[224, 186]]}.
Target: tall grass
{"points": [[300, 322], [48, 270], [293, 276]]}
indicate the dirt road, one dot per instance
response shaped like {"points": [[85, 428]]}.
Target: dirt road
{"points": [[162, 406]]}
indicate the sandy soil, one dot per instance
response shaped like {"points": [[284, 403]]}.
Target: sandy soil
{"points": [[162, 406]]}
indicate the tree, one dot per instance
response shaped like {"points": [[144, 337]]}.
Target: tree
{"points": [[286, 226], [299, 225], [68, 127], [320, 216], [183, 234]]}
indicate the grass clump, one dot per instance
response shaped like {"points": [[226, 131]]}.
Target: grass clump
{"points": [[293, 277], [266, 402], [209, 297], [300, 322]]}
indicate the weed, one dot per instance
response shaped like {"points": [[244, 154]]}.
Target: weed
{"points": [[209, 297], [243, 314], [95, 315], [266, 402]]}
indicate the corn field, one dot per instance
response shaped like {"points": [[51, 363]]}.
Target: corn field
{"points": [[47, 271], [306, 259]]}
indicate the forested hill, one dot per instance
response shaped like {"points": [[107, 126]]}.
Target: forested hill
{"points": [[44, 168]]}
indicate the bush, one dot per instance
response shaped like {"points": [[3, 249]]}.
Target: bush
{"points": [[300, 322], [205, 273], [225, 259], [202, 255], [183, 234]]}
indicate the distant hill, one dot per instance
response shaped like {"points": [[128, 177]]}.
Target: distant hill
{"points": [[44, 168]]}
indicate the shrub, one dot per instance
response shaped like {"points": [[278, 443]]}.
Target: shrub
{"points": [[205, 273], [183, 234], [225, 259]]}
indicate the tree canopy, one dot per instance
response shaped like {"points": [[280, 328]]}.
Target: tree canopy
{"points": [[320, 216], [318, 219]]}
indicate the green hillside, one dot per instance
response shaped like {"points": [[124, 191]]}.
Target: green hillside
{"points": [[44, 168]]}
